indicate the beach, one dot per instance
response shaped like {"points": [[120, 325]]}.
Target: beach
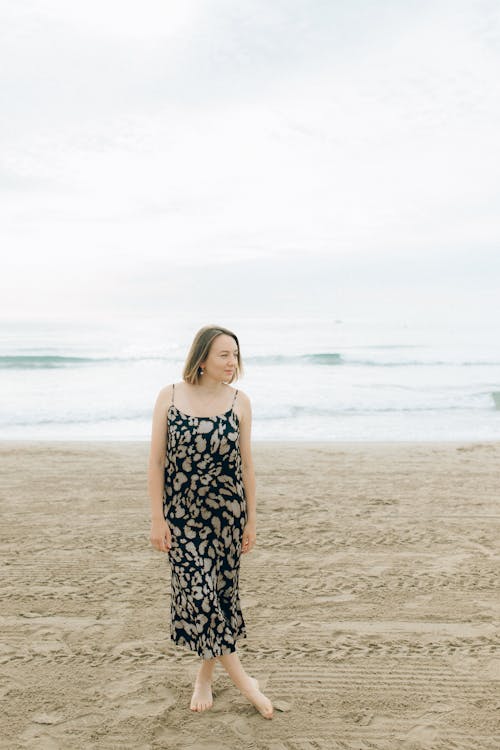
{"points": [[370, 599]]}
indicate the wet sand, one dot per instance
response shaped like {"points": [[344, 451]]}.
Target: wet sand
{"points": [[371, 602]]}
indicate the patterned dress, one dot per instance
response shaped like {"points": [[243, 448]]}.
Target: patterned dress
{"points": [[205, 506]]}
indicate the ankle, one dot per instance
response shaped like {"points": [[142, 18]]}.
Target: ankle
{"points": [[205, 675], [248, 684]]}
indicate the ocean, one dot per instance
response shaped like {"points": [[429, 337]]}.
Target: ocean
{"points": [[309, 379]]}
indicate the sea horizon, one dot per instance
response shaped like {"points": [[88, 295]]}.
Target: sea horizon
{"points": [[339, 380]]}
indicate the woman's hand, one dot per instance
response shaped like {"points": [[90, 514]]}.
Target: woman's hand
{"points": [[249, 536], [161, 536]]}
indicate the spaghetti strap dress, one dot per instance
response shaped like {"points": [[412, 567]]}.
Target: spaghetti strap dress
{"points": [[205, 507]]}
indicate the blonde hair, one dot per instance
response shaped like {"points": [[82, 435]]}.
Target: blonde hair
{"points": [[199, 351]]}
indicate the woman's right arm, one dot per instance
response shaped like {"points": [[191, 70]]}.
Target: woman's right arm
{"points": [[160, 531]]}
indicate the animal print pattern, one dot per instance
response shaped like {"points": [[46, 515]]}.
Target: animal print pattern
{"points": [[205, 506]]}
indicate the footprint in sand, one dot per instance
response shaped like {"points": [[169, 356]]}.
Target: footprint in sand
{"points": [[205, 746], [138, 696], [241, 727], [492, 670], [47, 718], [37, 736], [142, 706], [421, 737]]}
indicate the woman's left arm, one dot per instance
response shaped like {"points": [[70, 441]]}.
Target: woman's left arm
{"points": [[249, 533]]}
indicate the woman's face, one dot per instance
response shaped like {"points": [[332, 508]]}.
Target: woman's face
{"points": [[222, 358]]}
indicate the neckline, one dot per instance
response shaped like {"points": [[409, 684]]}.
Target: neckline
{"points": [[195, 416]]}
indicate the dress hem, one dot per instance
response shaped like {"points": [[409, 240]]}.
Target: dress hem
{"points": [[210, 655]]}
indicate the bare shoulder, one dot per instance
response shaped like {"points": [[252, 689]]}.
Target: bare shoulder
{"points": [[164, 397], [158, 431], [243, 404], [242, 396]]}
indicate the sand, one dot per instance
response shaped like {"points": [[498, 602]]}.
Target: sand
{"points": [[371, 602]]}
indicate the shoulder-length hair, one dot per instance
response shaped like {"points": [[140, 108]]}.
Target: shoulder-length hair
{"points": [[199, 351]]}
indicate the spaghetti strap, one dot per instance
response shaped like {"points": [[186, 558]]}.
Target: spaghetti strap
{"points": [[234, 399], [173, 389]]}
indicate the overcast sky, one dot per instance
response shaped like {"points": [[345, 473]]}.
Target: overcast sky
{"points": [[147, 145]]}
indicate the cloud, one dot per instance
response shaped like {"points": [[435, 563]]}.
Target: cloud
{"points": [[209, 132]]}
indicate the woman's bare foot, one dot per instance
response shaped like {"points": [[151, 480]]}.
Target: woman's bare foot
{"points": [[259, 700], [202, 695]]}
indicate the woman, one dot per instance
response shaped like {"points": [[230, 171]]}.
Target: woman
{"points": [[202, 487]]}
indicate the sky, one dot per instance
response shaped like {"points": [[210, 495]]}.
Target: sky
{"points": [[298, 155]]}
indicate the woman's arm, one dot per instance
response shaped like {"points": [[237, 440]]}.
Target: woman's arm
{"points": [[248, 472], [157, 454]]}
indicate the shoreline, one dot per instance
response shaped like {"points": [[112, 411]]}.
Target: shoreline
{"points": [[329, 443]]}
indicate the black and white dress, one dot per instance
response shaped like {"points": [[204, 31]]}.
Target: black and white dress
{"points": [[205, 506]]}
